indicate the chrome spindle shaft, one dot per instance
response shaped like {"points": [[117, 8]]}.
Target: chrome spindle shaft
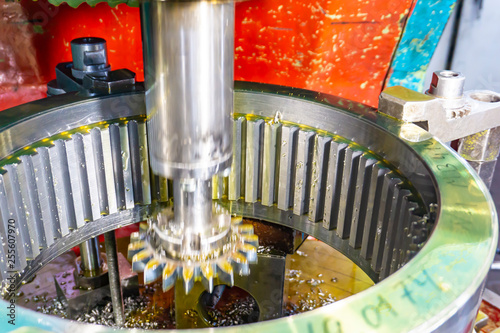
{"points": [[90, 257], [188, 55]]}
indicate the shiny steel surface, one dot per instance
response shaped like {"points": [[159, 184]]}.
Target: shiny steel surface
{"points": [[193, 203], [90, 55], [188, 55], [172, 238], [447, 84], [438, 290], [90, 256]]}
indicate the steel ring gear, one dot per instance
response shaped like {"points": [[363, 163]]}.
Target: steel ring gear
{"points": [[43, 174]]}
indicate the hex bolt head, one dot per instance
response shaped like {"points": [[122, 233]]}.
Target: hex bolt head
{"points": [[447, 84]]}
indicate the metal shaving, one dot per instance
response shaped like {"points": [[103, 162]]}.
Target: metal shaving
{"points": [[234, 313], [137, 309], [307, 301], [310, 301], [293, 275]]}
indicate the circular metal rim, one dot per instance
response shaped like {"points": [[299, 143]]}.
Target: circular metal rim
{"points": [[440, 282]]}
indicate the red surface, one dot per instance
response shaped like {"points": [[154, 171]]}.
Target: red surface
{"points": [[493, 314], [120, 27], [334, 46], [338, 47]]}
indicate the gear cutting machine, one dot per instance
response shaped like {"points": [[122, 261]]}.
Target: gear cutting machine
{"points": [[192, 152]]}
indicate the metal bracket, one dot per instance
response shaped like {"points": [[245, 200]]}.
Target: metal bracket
{"points": [[480, 112], [449, 114], [90, 73]]}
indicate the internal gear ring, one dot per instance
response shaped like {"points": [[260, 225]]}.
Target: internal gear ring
{"points": [[466, 220]]}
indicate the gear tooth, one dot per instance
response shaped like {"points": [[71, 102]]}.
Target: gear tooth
{"points": [[225, 272], [251, 240], [134, 248], [188, 274], [135, 237], [169, 276], [207, 276], [143, 227], [140, 259], [249, 251], [240, 263], [244, 229], [153, 271], [236, 220]]}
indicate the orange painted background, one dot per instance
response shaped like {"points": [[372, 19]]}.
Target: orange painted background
{"points": [[333, 46]]}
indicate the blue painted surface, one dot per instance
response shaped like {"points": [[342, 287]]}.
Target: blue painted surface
{"points": [[418, 43]]}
